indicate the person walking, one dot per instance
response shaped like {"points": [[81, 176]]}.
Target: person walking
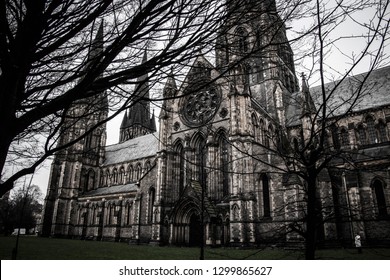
{"points": [[358, 243]]}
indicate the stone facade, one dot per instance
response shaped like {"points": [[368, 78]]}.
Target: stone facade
{"points": [[218, 142]]}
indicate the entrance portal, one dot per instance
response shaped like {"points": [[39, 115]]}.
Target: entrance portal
{"points": [[195, 230]]}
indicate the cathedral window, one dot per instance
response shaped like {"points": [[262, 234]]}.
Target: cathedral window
{"points": [[200, 159], [115, 176], [139, 172], [130, 173], [371, 130], [152, 197], [107, 178], [262, 132], [110, 214], [335, 137], [256, 128], [224, 164], [362, 135], [268, 136], [88, 142], [242, 40], [122, 175], [178, 169], [344, 137], [382, 131], [380, 198], [235, 212], [128, 213], [266, 196]]}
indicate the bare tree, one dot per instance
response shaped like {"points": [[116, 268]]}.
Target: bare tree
{"points": [[314, 144], [48, 62]]}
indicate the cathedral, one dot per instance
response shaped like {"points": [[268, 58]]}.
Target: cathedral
{"points": [[210, 171]]}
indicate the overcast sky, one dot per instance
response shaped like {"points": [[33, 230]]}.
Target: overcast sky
{"points": [[337, 61]]}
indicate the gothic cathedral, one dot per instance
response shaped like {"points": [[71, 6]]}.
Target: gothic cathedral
{"points": [[209, 173]]}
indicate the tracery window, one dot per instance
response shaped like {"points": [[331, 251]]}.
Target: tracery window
{"points": [[362, 135], [344, 138], [242, 40], [382, 131], [371, 130]]}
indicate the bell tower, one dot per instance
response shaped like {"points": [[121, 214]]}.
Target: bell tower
{"points": [[75, 169], [254, 51]]}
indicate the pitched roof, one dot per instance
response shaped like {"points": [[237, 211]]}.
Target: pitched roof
{"points": [[354, 94], [136, 148]]}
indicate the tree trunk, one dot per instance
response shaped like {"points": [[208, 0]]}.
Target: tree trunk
{"points": [[310, 241]]}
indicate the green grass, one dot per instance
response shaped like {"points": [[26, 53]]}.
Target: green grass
{"points": [[35, 248]]}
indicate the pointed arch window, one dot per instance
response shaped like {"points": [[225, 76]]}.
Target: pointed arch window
{"points": [[335, 137], [371, 130], [262, 132], [152, 197], [235, 212], [178, 169], [269, 135], [266, 196], [102, 179], [378, 187], [128, 213], [200, 162], [88, 142], [256, 128], [242, 40], [382, 131], [121, 175], [139, 172], [223, 147], [362, 135], [344, 137], [107, 177], [115, 176], [130, 173]]}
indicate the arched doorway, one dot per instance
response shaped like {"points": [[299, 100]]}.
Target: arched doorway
{"points": [[186, 227], [195, 230]]}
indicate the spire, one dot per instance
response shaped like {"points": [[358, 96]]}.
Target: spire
{"points": [[137, 120], [124, 120], [153, 127], [96, 47], [170, 87], [145, 57], [308, 106]]}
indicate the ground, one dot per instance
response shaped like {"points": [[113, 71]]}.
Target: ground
{"points": [[35, 248]]}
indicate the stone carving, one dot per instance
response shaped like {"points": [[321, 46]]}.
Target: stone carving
{"points": [[200, 107]]}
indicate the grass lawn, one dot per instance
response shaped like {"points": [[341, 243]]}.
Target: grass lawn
{"points": [[36, 248]]}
